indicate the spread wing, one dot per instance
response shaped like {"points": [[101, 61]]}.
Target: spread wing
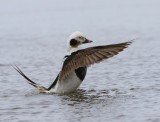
{"points": [[89, 56]]}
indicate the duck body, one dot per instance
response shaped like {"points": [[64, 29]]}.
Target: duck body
{"points": [[71, 83], [75, 64]]}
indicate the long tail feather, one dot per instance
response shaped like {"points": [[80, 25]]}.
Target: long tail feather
{"points": [[28, 80]]}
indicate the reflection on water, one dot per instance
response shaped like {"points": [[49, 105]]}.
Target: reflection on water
{"points": [[87, 96]]}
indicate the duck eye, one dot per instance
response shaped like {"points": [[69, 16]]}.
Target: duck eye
{"points": [[80, 37]]}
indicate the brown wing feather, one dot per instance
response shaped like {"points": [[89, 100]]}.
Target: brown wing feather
{"points": [[90, 56]]}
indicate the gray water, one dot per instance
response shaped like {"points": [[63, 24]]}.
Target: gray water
{"points": [[33, 35]]}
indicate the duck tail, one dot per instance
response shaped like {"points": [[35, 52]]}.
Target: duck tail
{"points": [[28, 80]]}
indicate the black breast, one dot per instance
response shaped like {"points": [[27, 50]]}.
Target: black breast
{"points": [[81, 72]]}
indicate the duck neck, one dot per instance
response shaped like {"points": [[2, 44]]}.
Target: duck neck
{"points": [[72, 49]]}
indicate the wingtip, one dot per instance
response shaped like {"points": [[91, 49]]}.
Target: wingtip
{"points": [[132, 41]]}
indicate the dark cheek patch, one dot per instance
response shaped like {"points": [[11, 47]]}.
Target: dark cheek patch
{"points": [[73, 42]]}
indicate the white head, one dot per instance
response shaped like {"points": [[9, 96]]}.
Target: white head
{"points": [[75, 40]]}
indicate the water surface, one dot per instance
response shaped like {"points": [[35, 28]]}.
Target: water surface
{"points": [[33, 35]]}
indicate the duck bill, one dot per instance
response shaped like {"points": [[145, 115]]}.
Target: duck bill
{"points": [[87, 41]]}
